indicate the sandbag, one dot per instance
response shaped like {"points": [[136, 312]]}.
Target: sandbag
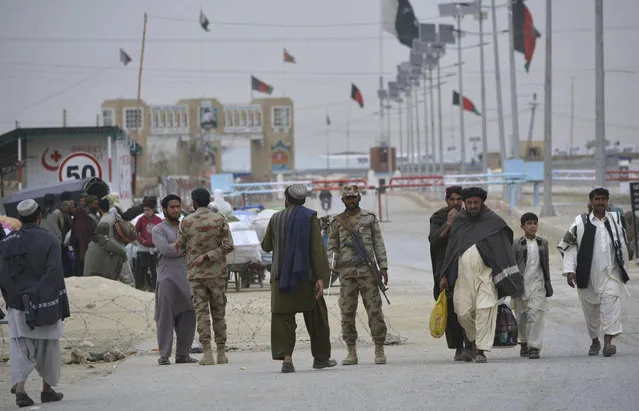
{"points": [[246, 245], [260, 222], [506, 332], [439, 316]]}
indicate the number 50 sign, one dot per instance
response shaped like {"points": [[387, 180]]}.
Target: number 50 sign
{"points": [[79, 166]]}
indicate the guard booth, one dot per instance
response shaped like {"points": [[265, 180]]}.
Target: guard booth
{"points": [[383, 160]]}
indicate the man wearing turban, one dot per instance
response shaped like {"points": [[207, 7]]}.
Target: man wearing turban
{"points": [[479, 267]]}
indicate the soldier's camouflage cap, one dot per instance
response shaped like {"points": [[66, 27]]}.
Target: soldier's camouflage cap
{"points": [[350, 190]]}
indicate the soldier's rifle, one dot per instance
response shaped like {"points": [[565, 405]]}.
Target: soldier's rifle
{"points": [[362, 254]]}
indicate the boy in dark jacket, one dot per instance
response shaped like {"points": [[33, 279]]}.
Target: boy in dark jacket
{"points": [[531, 254]]}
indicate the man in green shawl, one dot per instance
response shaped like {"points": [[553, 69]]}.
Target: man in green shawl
{"points": [[300, 269]]}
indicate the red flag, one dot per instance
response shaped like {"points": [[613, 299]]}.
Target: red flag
{"points": [[259, 85], [288, 58], [524, 32], [468, 105], [357, 95]]}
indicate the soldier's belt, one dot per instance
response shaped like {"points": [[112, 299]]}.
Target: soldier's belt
{"points": [[352, 262]]}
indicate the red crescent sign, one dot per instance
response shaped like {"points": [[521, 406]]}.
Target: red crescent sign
{"points": [[55, 156], [79, 166]]}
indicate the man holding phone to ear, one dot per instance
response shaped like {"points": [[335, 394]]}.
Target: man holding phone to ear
{"points": [[299, 272]]}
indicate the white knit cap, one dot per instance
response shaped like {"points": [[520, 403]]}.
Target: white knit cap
{"points": [[27, 207]]}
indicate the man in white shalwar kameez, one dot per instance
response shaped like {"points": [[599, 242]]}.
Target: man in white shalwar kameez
{"points": [[32, 285], [595, 256]]}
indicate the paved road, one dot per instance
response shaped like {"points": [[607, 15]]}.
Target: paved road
{"points": [[420, 374]]}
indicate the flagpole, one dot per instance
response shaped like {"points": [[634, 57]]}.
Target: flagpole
{"points": [[426, 148], [461, 94], [513, 84], [401, 144], [138, 114], [416, 136], [409, 130], [381, 76], [348, 140], [484, 132], [500, 107], [439, 115], [548, 210], [328, 167], [283, 68], [432, 115], [251, 87]]}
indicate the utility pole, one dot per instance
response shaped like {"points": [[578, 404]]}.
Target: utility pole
{"points": [[513, 83], [138, 113], [484, 132], [65, 117], [600, 110], [461, 94], [572, 114], [548, 210], [533, 108], [500, 107]]}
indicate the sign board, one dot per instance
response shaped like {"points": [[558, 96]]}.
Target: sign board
{"points": [[79, 166], [634, 196], [46, 155], [222, 182], [634, 202], [208, 115]]}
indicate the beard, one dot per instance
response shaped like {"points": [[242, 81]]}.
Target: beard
{"points": [[173, 219], [354, 206], [473, 215]]}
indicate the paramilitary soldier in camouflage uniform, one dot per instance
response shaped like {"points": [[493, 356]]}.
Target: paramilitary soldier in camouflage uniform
{"points": [[355, 276], [206, 239]]}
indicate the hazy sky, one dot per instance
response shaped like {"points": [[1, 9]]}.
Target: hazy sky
{"points": [[65, 54]]}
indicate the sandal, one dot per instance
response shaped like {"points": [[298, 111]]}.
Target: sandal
{"points": [[164, 361], [480, 358], [50, 396], [23, 400], [609, 350], [184, 359], [533, 353], [287, 367]]}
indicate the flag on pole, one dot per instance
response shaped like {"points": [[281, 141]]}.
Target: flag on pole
{"points": [[357, 95], [399, 20], [204, 22], [288, 58], [328, 120], [259, 85], [525, 33], [124, 58], [468, 105]]}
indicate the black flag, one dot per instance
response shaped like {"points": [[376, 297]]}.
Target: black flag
{"points": [[399, 20]]}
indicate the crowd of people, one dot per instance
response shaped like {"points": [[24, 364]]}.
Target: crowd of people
{"points": [[475, 260], [93, 235]]}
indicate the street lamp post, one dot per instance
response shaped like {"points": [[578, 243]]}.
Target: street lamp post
{"points": [[458, 11]]}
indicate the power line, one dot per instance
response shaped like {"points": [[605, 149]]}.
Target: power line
{"points": [[276, 25], [292, 39], [245, 71], [61, 91], [288, 40]]}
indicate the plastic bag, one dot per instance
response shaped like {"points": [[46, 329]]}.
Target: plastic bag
{"points": [[439, 316], [506, 332]]}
